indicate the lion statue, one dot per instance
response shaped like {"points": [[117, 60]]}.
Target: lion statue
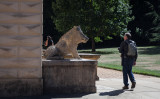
{"points": [[67, 44]]}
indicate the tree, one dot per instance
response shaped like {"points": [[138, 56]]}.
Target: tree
{"points": [[146, 23], [97, 18], [48, 25]]}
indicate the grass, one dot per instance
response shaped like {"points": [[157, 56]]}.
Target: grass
{"points": [[136, 70], [148, 62]]}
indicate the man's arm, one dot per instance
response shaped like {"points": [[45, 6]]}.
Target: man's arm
{"points": [[136, 56], [121, 47]]}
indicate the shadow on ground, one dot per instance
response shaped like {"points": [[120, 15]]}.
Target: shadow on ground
{"points": [[150, 51], [97, 52], [48, 96], [112, 93]]}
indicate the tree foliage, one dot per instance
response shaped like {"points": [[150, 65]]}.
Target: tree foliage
{"points": [[146, 22], [97, 18], [48, 25]]}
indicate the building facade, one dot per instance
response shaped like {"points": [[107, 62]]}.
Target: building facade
{"points": [[20, 47]]}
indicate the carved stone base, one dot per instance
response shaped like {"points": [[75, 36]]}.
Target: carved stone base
{"points": [[69, 76], [20, 87]]}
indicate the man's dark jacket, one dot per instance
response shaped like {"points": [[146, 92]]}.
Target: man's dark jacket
{"points": [[124, 50]]}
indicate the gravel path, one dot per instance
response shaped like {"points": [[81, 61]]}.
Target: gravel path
{"points": [[109, 73]]}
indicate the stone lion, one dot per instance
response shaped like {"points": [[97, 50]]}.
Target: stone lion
{"points": [[67, 44]]}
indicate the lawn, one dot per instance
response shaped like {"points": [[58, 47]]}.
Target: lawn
{"points": [[148, 61]]}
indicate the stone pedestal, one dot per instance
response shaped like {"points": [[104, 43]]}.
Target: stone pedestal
{"points": [[87, 56], [69, 76]]}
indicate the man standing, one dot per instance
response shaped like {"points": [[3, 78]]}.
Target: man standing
{"points": [[129, 55]]}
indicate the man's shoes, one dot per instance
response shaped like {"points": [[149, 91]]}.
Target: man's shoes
{"points": [[133, 85], [125, 87]]}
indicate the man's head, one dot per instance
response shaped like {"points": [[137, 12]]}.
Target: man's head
{"points": [[127, 36]]}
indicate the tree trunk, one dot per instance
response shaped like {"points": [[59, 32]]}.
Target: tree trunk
{"points": [[93, 45]]}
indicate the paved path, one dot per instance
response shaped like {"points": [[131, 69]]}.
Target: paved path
{"points": [[109, 87], [109, 73], [110, 84]]}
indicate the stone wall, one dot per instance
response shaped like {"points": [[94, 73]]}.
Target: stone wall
{"points": [[20, 46]]}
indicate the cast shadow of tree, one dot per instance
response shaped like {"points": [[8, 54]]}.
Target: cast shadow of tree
{"points": [[112, 93], [149, 51], [97, 52]]}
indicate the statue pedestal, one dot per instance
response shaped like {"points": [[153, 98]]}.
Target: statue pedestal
{"points": [[69, 76], [87, 56]]}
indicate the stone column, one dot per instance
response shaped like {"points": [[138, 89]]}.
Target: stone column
{"points": [[20, 47]]}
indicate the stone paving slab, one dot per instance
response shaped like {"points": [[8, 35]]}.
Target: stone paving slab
{"points": [[145, 89]]}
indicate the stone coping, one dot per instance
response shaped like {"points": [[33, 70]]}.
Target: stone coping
{"points": [[89, 54], [67, 62], [85, 55]]}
